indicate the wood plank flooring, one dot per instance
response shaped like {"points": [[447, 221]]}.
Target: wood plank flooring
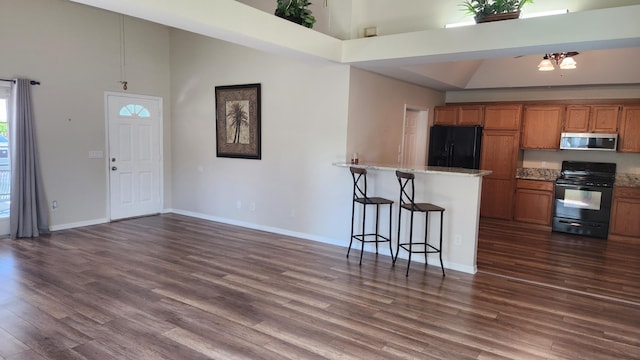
{"points": [[174, 287]]}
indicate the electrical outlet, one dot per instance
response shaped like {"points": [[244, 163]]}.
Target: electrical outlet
{"points": [[457, 240], [252, 206], [239, 204], [54, 205]]}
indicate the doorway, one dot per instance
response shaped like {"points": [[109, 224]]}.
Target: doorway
{"points": [[134, 132], [414, 137]]}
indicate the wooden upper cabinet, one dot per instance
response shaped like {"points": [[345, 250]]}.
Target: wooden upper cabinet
{"points": [[604, 118], [542, 126], [500, 152], [446, 115], [629, 136], [502, 117], [470, 115], [594, 118], [461, 115], [577, 119]]}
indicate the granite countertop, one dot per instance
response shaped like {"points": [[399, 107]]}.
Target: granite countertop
{"points": [[628, 180], [537, 174], [418, 169], [625, 180]]}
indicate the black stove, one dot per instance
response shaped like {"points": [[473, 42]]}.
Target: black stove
{"points": [[587, 173], [583, 198]]}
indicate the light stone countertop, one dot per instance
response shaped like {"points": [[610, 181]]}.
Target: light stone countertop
{"points": [[418, 169], [622, 179]]}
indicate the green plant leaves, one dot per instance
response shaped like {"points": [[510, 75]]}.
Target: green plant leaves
{"points": [[482, 8], [295, 11]]}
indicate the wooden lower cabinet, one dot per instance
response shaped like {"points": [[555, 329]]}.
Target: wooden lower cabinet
{"points": [[501, 155], [497, 198], [625, 212], [534, 201]]}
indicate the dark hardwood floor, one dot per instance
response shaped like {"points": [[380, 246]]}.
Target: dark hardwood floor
{"points": [[174, 287]]}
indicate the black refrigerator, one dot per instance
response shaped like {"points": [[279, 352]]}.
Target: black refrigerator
{"points": [[455, 146]]}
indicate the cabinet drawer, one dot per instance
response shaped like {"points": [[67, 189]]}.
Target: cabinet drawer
{"points": [[535, 184], [626, 192]]}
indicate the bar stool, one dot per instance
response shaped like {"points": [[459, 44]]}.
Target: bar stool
{"points": [[359, 176], [407, 202]]}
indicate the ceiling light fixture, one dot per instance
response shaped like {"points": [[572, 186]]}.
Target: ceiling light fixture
{"points": [[563, 60]]}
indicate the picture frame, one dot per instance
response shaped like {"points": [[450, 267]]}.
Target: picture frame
{"points": [[238, 132]]}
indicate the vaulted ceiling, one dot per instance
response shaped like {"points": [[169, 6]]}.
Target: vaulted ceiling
{"points": [[492, 55]]}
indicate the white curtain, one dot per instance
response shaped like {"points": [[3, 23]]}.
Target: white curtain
{"points": [[29, 213]]}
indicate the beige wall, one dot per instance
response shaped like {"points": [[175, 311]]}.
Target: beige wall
{"points": [[294, 188], [376, 114], [74, 51]]}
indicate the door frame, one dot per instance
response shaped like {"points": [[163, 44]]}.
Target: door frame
{"points": [[408, 107], [159, 100]]}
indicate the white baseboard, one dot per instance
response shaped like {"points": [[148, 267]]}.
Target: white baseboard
{"points": [[325, 240], [78, 224], [253, 226]]}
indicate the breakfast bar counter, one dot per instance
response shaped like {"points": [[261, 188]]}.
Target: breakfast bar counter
{"points": [[455, 189]]}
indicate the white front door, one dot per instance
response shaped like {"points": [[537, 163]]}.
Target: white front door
{"points": [[135, 155]]}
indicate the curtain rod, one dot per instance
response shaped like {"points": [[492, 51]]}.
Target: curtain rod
{"points": [[32, 82]]}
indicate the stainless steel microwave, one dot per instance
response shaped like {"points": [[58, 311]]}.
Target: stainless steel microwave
{"points": [[588, 141]]}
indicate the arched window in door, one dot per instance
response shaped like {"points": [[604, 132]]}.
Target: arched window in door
{"points": [[133, 110]]}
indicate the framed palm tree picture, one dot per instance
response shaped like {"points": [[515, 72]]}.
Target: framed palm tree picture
{"points": [[238, 121]]}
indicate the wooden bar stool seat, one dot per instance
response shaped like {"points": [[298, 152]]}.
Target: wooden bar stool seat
{"points": [[407, 203], [360, 196]]}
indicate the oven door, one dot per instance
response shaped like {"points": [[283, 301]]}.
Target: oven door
{"points": [[588, 203]]}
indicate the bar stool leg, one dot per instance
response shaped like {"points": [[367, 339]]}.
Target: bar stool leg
{"points": [[353, 210], [398, 239], [426, 236], [377, 226], [410, 242], [390, 248], [440, 252], [364, 217]]}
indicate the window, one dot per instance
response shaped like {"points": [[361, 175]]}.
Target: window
{"points": [[133, 110], [5, 170]]}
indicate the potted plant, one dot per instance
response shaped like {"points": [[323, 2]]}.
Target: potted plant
{"points": [[492, 10], [295, 11]]}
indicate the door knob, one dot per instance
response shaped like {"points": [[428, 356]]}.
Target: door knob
{"points": [[114, 168]]}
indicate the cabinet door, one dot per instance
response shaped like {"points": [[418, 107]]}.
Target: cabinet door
{"points": [[577, 119], [445, 115], [541, 127], [470, 115], [497, 198], [533, 206], [604, 119], [625, 212], [499, 153], [502, 117], [629, 140]]}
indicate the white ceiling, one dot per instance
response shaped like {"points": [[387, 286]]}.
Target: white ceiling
{"points": [[484, 56]]}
